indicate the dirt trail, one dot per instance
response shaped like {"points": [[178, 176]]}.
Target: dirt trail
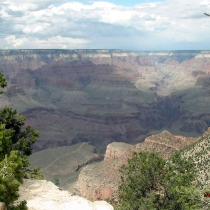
{"points": [[167, 145], [63, 156]]}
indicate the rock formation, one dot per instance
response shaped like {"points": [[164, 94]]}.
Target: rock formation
{"points": [[43, 195], [100, 180]]}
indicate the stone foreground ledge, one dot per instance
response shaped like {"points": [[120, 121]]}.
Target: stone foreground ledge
{"points": [[44, 195], [3, 206]]}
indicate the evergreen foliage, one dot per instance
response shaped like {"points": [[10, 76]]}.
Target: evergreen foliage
{"points": [[57, 181], [22, 139], [15, 147], [150, 182], [3, 82]]}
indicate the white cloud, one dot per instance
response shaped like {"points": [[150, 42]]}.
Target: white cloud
{"points": [[15, 42], [174, 24], [30, 4], [32, 30], [56, 42]]}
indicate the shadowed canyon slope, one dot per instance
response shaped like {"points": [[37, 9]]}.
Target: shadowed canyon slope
{"points": [[101, 96], [61, 165]]}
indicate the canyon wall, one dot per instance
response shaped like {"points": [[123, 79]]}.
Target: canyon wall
{"points": [[102, 96]]}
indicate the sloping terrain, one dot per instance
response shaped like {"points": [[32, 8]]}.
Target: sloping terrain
{"points": [[102, 96], [61, 165], [200, 153], [165, 143], [100, 180]]}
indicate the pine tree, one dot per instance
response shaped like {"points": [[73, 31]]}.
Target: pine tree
{"points": [[3, 82], [15, 147], [149, 182]]}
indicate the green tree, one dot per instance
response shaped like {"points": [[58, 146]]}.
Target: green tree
{"points": [[3, 82], [15, 146], [150, 182], [22, 139]]}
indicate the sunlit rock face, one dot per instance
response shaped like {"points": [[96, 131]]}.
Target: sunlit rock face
{"points": [[43, 195], [101, 96], [100, 180]]}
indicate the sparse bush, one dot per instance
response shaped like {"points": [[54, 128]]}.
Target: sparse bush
{"points": [[57, 182]]}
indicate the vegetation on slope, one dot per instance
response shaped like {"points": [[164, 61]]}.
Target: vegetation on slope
{"points": [[15, 147], [199, 152], [152, 182]]}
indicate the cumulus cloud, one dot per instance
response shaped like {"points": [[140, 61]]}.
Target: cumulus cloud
{"points": [[30, 4], [173, 24], [56, 42]]}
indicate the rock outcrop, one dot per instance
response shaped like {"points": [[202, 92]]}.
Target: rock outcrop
{"points": [[100, 180], [3, 206], [116, 150], [43, 195]]}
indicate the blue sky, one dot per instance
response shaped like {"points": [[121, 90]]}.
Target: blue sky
{"points": [[129, 3], [112, 24], [118, 2]]}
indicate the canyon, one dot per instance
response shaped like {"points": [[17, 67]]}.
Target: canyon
{"points": [[94, 108], [105, 96], [95, 178]]}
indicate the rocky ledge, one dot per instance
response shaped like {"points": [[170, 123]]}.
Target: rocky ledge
{"points": [[43, 195]]}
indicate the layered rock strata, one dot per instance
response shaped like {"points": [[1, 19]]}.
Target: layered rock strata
{"points": [[113, 95]]}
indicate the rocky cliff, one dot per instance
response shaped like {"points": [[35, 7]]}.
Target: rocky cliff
{"points": [[101, 96], [100, 180]]}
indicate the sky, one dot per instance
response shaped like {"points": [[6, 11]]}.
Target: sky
{"points": [[141, 25]]}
